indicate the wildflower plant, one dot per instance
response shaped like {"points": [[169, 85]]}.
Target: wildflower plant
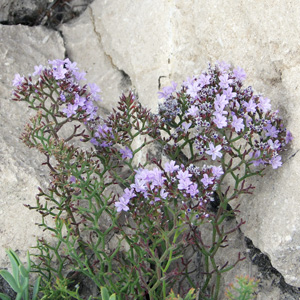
{"points": [[126, 223]]}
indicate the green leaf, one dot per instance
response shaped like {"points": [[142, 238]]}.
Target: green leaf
{"points": [[4, 297], [112, 297], [15, 262], [36, 288], [23, 271], [104, 293], [10, 280]]}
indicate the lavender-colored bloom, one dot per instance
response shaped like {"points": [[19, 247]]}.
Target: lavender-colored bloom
{"points": [[122, 204], [224, 81], [89, 107], [18, 79], [274, 145], [239, 74], [38, 70], [250, 106], [214, 151], [217, 171], [207, 180], [184, 184], [156, 177], [203, 80], [129, 193], [193, 89], [70, 110], [80, 101], [220, 102], [95, 90], [220, 120], [72, 179], [276, 161], [62, 97], [171, 166], [223, 66], [70, 65], [183, 175], [264, 104], [163, 194], [126, 153], [59, 72], [167, 91], [193, 111], [271, 131], [186, 126], [288, 137], [79, 75], [229, 94], [193, 189], [237, 123]]}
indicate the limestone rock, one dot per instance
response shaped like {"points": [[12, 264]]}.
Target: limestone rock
{"points": [[21, 48], [21, 12]]}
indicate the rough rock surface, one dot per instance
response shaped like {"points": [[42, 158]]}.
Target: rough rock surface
{"points": [[146, 45], [21, 48], [179, 43]]}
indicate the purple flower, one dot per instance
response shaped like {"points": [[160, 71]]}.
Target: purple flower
{"points": [[128, 193], [203, 80], [59, 72], [220, 102], [186, 126], [80, 101], [183, 175], [276, 161], [171, 166], [223, 66], [250, 106], [207, 180], [122, 204], [264, 104], [193, 111], [184, 184], [37, 70], [79, 75], [70, 110], [229, 94], [193, 89], [17, 80], [271, 131], [156, 177], [193, 189], [167, 91], [163, 194], [62, 97], [274, 145], [69, 65], [126, 153], [224, 81], [288, 137], [239, 74], [94, 91], [237, 123], [220, 120], [214, 151], [217, 171]]}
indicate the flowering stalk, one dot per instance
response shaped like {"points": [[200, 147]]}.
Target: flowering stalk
{"points": [[128, 223]]}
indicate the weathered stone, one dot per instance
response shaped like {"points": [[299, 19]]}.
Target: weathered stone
{"points": [[176, 39], [21, 12], [21, 48]]}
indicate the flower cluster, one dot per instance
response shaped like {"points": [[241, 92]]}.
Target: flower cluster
{"points": [[195, 186], [64, 78], [219, 110]]}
